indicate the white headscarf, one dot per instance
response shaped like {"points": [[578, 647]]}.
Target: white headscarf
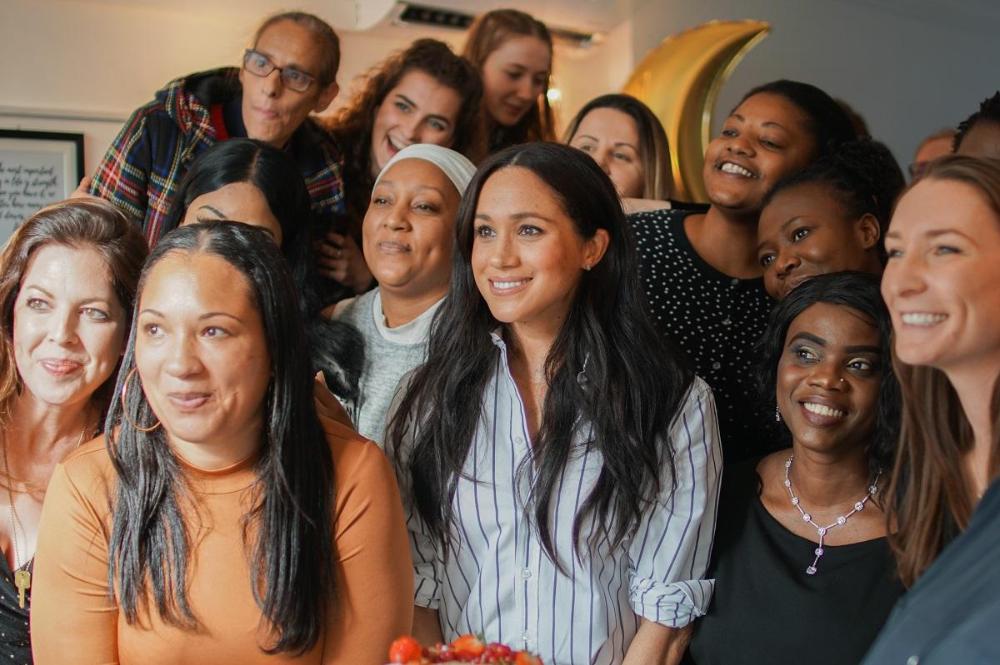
{"points": [[453, 164]]}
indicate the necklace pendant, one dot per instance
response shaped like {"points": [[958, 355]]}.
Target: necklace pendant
{"points": [[22, 580], [811, 570]]}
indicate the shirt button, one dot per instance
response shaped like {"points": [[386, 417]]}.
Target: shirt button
{"points": [[716, 365], [518, 440], [734, 282], [913, 660], [526, 573]]}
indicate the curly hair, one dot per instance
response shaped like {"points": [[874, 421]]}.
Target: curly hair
{"points": [[486, 35], [352, 125]]}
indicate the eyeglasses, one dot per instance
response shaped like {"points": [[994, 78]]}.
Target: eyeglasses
{"points": [[259, 64]]}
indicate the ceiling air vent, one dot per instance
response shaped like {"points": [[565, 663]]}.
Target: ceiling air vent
{"points": [[432, 16], [446, 18]]}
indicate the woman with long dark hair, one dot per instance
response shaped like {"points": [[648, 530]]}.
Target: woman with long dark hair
{"points": [[221, 520], [243, 180], [699, 267], [940, 284], [68, 276], [562, 464], [800, 555]]}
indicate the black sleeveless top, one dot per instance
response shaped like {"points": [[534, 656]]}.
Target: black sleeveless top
{"points": [[767, 610]]}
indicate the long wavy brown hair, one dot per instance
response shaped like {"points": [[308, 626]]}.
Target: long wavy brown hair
{"points": [[352, 124], [486, 35], [930, 498], [90, 223]]}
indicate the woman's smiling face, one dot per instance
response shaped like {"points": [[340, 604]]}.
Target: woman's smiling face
{"points": [[764, 139], [69, 327], [829, 377], [942, 278], [527, 255], [407, 231], [803, 232]]}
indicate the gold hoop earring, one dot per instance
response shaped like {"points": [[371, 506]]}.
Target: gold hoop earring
{"points": [[125, 410]]}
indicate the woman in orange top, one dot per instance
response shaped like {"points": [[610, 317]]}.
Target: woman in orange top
{"points": [[224, 521]]}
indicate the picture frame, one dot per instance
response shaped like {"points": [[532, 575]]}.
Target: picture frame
{"points": [[36, 168]]}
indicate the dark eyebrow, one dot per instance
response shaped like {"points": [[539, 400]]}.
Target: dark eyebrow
{"points": [[769, 123], [781, 229], [517, 216], [209, 315], [386, 181], [212, 209], [407, 99], [810, 337]]}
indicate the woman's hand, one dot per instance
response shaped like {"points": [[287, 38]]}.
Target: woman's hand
{"points": [[341, 259]]}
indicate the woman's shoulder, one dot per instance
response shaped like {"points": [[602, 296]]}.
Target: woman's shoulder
{"points": [[359, 464], [90, 459], [88, 470]]}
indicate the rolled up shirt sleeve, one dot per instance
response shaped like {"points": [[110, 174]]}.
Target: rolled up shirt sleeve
{"points": [[670, 550]]}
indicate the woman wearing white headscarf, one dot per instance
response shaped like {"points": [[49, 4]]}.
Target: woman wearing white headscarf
{"points": [[407, 241]]}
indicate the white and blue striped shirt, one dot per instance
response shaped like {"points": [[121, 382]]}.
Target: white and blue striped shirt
{"points": [[498, 582]]}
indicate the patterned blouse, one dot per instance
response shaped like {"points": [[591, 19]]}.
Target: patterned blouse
{"points": [[714, 318]]}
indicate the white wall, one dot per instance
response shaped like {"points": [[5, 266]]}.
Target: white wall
{"points": [[908, 66], [582, 74], [83, 66]]}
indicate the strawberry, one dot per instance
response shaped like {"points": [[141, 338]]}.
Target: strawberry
{"points": [[525, 658], [405, 650], [467, 647], [498, 653]]}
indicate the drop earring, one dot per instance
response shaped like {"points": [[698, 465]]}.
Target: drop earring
{"points": [[777, 415]]}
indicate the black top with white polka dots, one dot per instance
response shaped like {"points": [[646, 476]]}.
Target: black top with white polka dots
{"points": [[15, 645], [716, 319]]}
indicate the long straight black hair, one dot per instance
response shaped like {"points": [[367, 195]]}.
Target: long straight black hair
{"points": [[633, 383], [292, 553]]}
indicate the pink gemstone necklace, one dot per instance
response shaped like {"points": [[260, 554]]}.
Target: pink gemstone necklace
{"points": [[840, 521]]}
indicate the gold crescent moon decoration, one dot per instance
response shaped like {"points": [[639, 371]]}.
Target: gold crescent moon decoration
{"points": [[680, 81]]}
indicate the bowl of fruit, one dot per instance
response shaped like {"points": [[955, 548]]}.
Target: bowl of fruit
{"points": [[463, 649]]}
